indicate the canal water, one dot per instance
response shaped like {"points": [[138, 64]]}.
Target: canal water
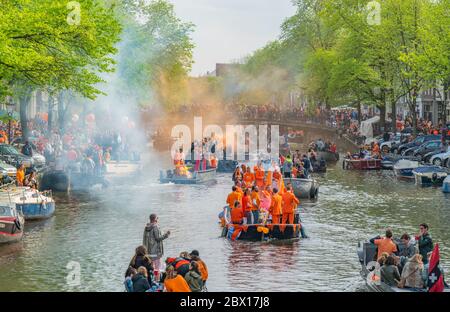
{"points": [[99, 230]]}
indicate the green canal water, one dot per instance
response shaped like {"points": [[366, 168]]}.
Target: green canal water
{"points": [[99, 231]]}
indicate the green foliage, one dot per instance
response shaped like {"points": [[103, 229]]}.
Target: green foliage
{"points": [[40, 49], [155, 53]]}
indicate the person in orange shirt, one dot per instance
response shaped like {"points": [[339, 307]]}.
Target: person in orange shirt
{"points": [[247, 206], [233, 197], [249, 178], [20, 175], [256, 202], [290, 203], [268, 180], [294, 172], [259, 176], [276, 209], [238, 184], [376, 149], [195, 256], [174, 282], [385, 244], [237, 215]]}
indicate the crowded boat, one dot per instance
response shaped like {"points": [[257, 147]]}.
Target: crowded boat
{"points": [[409, 263]]}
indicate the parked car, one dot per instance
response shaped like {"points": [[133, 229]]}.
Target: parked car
{"points": [[395, 139], [417, 142], [13, 157], [427, 147], [440, 158], [38, 159], [427, 157], [9, 169]]}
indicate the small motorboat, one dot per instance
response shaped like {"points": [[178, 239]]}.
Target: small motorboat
{"points": [[404, 168], [446, 185], [370, 270], [328, 156], [227, 166], [319, 166], [430, 175], [196, 177], [34, 205], [304, 188], [261, 232], [362, 164], [11, 222]]}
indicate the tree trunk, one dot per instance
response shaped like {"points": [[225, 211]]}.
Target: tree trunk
{"points": [[446, 90], [394, 115], [414, 114], [24, 103], [359, 112], [61, 112], [39, 101], [382, 109], [50, 114]]}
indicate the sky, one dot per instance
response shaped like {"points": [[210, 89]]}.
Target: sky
{"points": [[229, 30]]}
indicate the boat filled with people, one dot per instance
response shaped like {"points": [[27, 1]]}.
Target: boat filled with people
{"points": [[405, 264]]}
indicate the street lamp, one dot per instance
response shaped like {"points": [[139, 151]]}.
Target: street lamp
{"points": [[10, 108]]}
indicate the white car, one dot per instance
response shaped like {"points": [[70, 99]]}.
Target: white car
{"points": [[440, 159], [386, 146], [8, 169]]}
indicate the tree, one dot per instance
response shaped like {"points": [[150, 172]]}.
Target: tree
{"points": [[155, 54], [40, 49]]}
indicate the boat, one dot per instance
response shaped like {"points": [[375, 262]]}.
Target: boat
{"points": [[262, 232], [328, 156], [227, 166], [430, 175], [33, 204], [367, 253], [404, 168], [446, 185], [196, 177], [304, 188], [319, 166], [11, 222], [362, 164], [63, 181]]}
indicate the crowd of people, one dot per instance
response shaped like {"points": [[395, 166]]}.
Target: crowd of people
{"points": [[146, 273], [404, 264], [261, 196], [77, 148]]}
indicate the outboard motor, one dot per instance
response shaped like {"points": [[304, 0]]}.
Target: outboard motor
{"points": [[434, 177]]}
